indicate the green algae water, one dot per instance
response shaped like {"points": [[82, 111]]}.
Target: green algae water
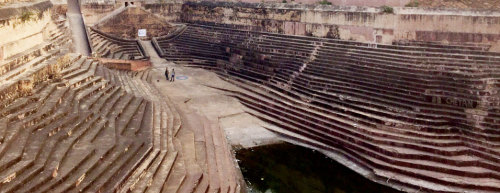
{"points": [[287, 168]]}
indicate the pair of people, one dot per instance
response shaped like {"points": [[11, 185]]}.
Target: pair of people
{"points": [[172, 76]]}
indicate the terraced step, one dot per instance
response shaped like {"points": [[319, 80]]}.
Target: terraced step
{"points": [[67, 146], [105, 45], [393, 109]]}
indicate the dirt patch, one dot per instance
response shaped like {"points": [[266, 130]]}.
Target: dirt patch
{"points": [[126, 23]]}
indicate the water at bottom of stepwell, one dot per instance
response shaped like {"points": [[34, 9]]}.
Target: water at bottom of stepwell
{"points": [[288, 168]]}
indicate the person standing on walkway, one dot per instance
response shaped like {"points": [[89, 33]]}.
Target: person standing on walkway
{"points": [[173, 75], [166, 73]]}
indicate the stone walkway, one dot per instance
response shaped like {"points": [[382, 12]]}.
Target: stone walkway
{"points": [[193, 96]]}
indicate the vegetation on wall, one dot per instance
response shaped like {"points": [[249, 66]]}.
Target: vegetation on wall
{"points": [[325, 2], [413, 3], [333, 33], [387, 9], [27, 16]]}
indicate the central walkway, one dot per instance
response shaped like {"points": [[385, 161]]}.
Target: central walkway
{"points": [[150, 50], [199, 104], [211, 122]]}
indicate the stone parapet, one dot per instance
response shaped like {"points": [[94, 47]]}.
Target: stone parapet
{"points": [[131, 65]]}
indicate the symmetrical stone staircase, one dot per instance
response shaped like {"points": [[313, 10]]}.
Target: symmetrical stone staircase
{"points": [[75, 133], [108, 46], [69, 124], [411, 116], [185, 158], [26, 66], [93, 129]]}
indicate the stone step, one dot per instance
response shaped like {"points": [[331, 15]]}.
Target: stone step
{"points": [[204, 184], [21, 136], [211, 159], [112, 183], [113, 162], [106, 92], [164, 173], [124, 119], [91, 85], [178, 172], [23, 70], [39, 98], [49, 174], [419, 162], [83, 69], [32, 152], [112, 47], [17, 60], [83, 133], [224, 164], [392, 133], [73, 67], [186, 137], [108, 99], [143, 176], [66, 101]]}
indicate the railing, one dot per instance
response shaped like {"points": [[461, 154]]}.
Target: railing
{"points": [[157, 47], [142, 50], [110, 36], [91, 49]]}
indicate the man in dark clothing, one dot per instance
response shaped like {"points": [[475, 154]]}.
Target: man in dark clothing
{"points": [[173, 75], [166, 73]]}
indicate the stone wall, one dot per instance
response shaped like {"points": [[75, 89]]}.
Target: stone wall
{"points": [[24, 87], [126, 23], [92, 13], [170, 11], [14, 1], [371, 3], [131, 65], [98, 2], [23, 28], [363, 24]]}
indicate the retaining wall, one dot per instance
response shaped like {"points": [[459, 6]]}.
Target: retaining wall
{"points": [[23, 27], [365, 24]]}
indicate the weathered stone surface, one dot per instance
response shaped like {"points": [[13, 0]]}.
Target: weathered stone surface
{"points": [[130, 65], [414, 116], [21, 34], [109, 46], [126, 23], [70, 124], [365, 24]]}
